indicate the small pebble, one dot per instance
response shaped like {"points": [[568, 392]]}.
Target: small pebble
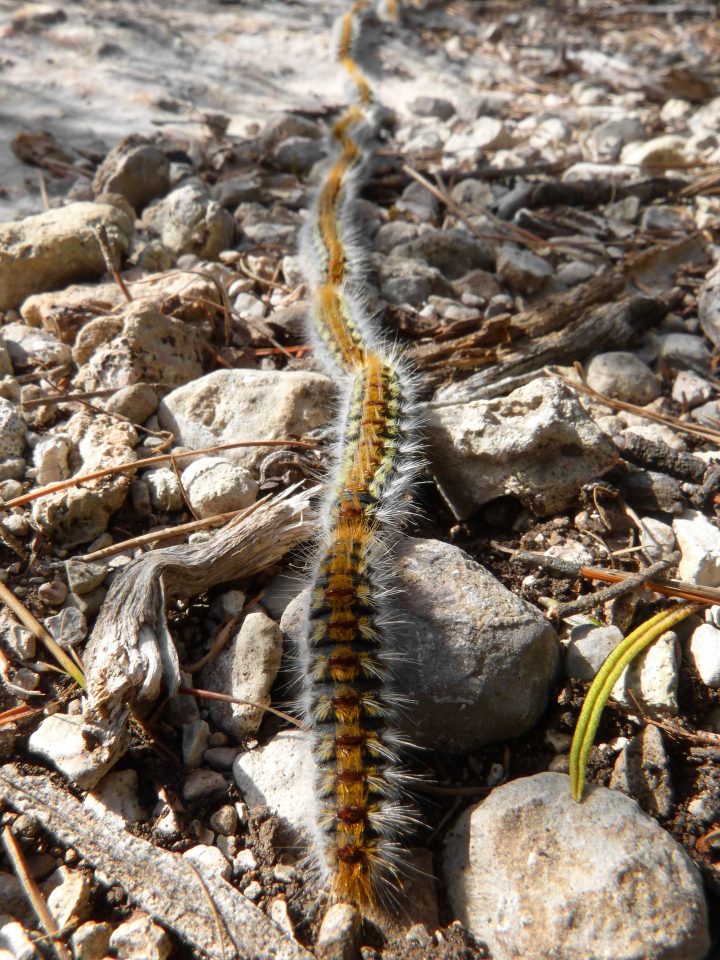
{"points": [[623, 376], [194, 742], [209, 860], [253, 891], [225, 820], [91, 940], [138, 938], [244, 862], [339, 936], [704, 653], [203, 786]]}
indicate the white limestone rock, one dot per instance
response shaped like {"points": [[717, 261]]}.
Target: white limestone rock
{"points": [[537, 444], [535, 875], [231, 405]]}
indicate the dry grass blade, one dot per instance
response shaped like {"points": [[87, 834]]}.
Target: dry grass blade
{"points": [[32, 892], [226, 698], [156, 536], [148, 461], [694, 429], [70, 663], [608, 675]]}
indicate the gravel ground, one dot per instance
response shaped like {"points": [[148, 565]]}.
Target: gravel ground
{"points": [[543, 229]]}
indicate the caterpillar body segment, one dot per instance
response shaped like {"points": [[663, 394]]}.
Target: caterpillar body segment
{"points": [[347, 656]]}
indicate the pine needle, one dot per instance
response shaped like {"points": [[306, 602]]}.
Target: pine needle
{"points": [[601, 688]]}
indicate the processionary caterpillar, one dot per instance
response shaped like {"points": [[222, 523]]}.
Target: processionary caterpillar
{"points": [[347, 699]]}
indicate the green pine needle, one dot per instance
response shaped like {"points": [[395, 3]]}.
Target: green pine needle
{"points": [[608, 674]]}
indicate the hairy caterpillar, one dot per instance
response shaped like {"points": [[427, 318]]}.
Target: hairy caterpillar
{"points": [[347, 698]]}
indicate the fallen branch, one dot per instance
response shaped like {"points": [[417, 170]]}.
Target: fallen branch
{"points": [[33, 894], [194, 902], [131, 652]]}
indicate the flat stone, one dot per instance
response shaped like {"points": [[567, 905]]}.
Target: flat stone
{"points": [[53, 248], [232, 405], [69, 627], [685, 351], [91, 940], [68, 895], [537, 444], [452, 252], [409, 280], [624, 376], [690, 390], [117, 794], [245, 669], [281, 776], [84, 575], [204, 786], [667, 150], [209, 859], [521, 269], [12, 430], [59, 740], [28, 345], [432, 107], [484, 134], [535, 875], [642, 771]]}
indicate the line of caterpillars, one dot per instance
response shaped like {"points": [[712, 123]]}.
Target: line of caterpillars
{"points": [[348, 702]]}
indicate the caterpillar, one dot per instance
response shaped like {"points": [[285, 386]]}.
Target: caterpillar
{"points": [[347, 700]]}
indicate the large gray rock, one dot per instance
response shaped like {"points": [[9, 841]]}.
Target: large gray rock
{"points": [[536, 875], [231, 405], [56, 247], [536, 444], [477, 661]]}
